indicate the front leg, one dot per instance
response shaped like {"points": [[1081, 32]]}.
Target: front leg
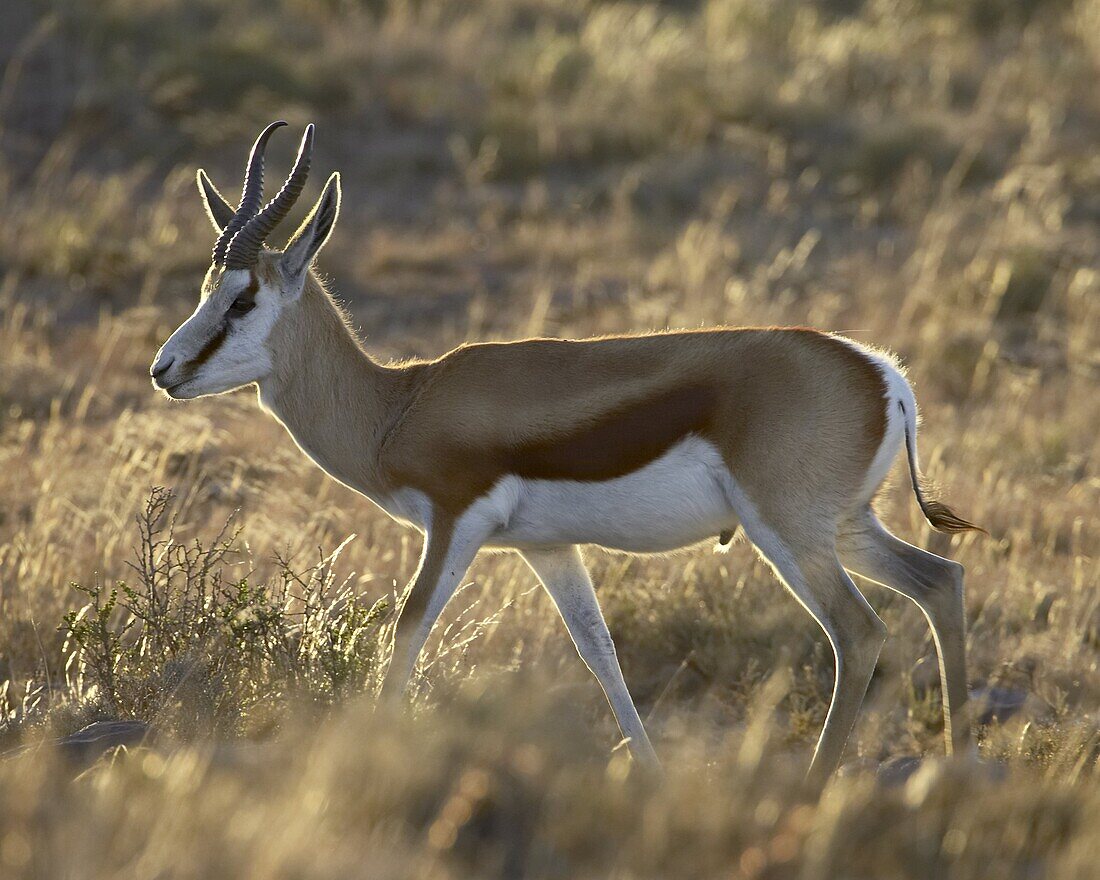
{"points": [[449, 548]]}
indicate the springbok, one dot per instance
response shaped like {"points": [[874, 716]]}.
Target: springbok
{"points": [[642, 444]]}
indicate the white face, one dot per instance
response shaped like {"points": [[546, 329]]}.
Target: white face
{"points": [[223, 345]]}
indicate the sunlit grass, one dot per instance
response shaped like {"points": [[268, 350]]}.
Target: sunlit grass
{"points": [[921, 176]]}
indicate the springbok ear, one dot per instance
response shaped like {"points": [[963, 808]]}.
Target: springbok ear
{"points": [[314, 231], [218, 209]]}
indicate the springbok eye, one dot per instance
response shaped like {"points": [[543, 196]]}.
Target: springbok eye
{"points": [[242, 305]]}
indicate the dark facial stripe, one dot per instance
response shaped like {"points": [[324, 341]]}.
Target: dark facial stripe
{"points": [[219, 335], [212, 345]]}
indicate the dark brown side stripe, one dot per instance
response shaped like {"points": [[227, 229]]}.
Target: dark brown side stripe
{"points": [[620, 442]]}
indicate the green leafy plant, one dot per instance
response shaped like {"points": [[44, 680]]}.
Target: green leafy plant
{"points": [[194, 638]]}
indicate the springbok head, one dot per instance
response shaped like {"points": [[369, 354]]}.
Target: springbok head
{"points": [[248, 289]]}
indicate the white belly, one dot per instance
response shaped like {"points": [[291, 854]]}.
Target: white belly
{"points": [[674, 501]]}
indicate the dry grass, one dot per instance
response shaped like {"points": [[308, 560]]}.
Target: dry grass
{"points": [[921, 175]]}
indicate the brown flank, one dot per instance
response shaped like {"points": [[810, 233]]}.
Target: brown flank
{"points": [[553, 409]]}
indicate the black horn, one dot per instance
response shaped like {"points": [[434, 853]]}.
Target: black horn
{"points": [[245, 246], [252, 196]]}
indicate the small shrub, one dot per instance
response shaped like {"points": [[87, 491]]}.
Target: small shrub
{"points": [[194, 639]]}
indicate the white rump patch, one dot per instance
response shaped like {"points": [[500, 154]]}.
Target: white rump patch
{"points": [[897, 390]]}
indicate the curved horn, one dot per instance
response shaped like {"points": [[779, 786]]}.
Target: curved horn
{"points": [[245, 245], [252, 195]]}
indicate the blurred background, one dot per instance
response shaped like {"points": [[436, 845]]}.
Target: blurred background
{"points": [[919, 174]]}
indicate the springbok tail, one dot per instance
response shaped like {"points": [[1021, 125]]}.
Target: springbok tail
{"points": [[941, 517]]}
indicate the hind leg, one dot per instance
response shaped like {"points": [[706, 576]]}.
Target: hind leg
{"points": [[806, 562], [936, 586], [565, 577]]}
